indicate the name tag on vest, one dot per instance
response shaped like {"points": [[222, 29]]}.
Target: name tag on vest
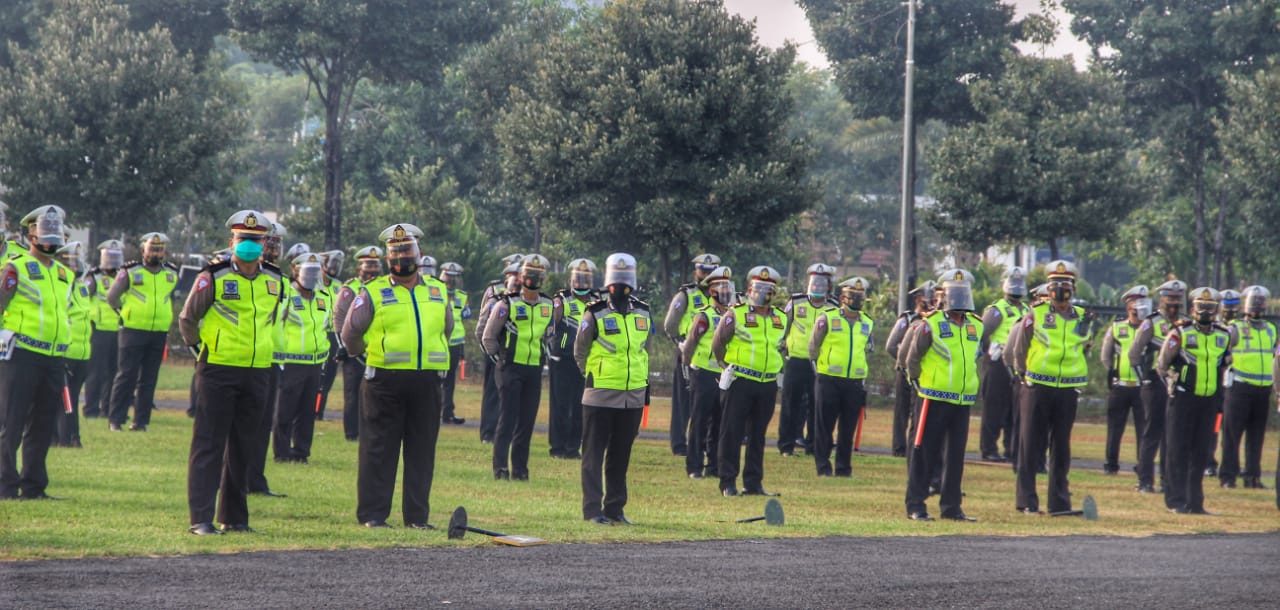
{"points": [[33, 270], [642, 324], [777, 321], [751, 321], [297, 304], [522, 312], [389, 296], [1050, 321], [1193, 341], [231, 290], [802, 311], [137, 277], [944, 330], [1122, 333], [837, 326], [434, 294], [62, 274], [611, 326]]}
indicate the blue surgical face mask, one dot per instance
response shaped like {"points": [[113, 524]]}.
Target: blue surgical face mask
{"points": [[248, 250]]}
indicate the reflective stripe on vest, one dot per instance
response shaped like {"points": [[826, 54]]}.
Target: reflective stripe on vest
{"points": [[1254, 354], [1123, 335], [694, 300], [803, 315], [571, 310], [1009, 315], [408, 325], [703, 358], [618, 360], [79, 309], [949, 370], [526, 326], [843, 352], [38, 312], [1055, 355], [1203, 355], [104, 317], [237, 330], [754, 347], [459, 303], [147, 304], [306, 326]]}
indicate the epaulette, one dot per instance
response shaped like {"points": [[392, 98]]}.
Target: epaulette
{"points": [[833, 302], [932, 313], [598, 305], [563, 293], [1221, 327], [218, 266], [907, 314], [493, 283], [693, 285], [94, 271], [171, 266], [798, 295], [131, 265], [638, 304], [976, 317], [272, 268]]}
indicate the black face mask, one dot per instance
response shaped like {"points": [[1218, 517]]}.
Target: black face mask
{"points": [[47, 250], [1061, 294], [619, 297], [403, 267], [1204, 318]]}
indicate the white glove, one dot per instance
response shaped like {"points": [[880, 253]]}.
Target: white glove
{"points": [[995, 351], [726, 378]]}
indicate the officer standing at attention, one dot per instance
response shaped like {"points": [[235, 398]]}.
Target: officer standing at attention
{"points": [[368, 268], [1012, 360], [688, 299], [703, 375], [143, 295], [838, 348], [922, 300], [79, 309], [803, 310], [610, 351], [1053, 342], [1228, 313], [104, 349], [748, 342], [452, 277], [513, 337], [997, 385], [1248, 401], [489, 399], [303, 348], [1125, 392], [1192, 361], [227, 321], [256, 479], [1142, 354], [333, 261], [404, 321], [942, 361], [567, 307]]}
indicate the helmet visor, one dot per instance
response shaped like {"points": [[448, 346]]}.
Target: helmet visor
{"points": [[1015, 286], [333, 263], [759, 292], [621, 276], [1255, 303], [853, 299], [73, 260], [819, 286], [959, 297], [49, 230], [581, 279], [370, 268], [722, 291], [309, 275], [110, 258], [1141, 307]]}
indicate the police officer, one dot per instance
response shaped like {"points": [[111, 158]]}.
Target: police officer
{"points": [[1150, 338], [34, 335], [688, 298], [1248, 399], [803, 310], [1200, 352], [610, 351], [513, 338], [427, 264], [333, 262], [1052, 346], [1125, 394], [997, 385], [1012, 360], [838, 348], [404, 322], [489, 399], [703, 374], [1228, 312], [143, 296], [256, 479], [369, 267], [922, 303], [230, 305], [567, 307], [748, 342], [104, 349], [79, 310], [303, 349], [942, 361], [452, 277]]}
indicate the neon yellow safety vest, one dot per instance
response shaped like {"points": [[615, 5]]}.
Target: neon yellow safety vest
{"points": [[148, 303], [237, 330], [703, 358], [753, 351], [1123, 334], [529, 321], [79, 309], [38, 312], [843, 352], [803, 315], [104, 318], [571, 308], [694, 300], [1203, 355], [459, 304], [407, 332], [1055, 356], [949, 370], [306, 324], [1009, 315], [618, 360], [1254, 354]]}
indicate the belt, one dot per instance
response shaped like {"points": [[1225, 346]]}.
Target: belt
{"points": [[955, 397], [299, 358], [754, 374], [41, 345], [1053, 379], [1262, 379], [1128, 384]]}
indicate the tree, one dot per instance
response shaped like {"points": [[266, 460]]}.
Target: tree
{"points": [[658, 125], [1048, 163], [337, 43], [109, 123], [1251, 144]]}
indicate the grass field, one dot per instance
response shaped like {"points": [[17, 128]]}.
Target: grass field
{"points": [[125, 494]]}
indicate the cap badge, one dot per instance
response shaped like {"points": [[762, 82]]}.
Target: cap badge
{"points": [[1062, 268], [251, 221], [399, 233]]}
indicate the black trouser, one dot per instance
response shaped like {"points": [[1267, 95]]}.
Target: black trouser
{"points": [[328, 374], [490, 402], [902, 399], [141, 353], [1244, 419], [30, 398], [230, 402], [933, 462], [520, 387], [565, 427], [1154, 403], [680, 400], [397, 407], [68, 426], [997, 401], [747, 405], [256, 478], [1188, 428], [840, 401], [797, 403], [946, 431], [1120, 401], [451, 379], [704, 422], [295, 411], [352, 376], [608, 434], [103, 355], [1015, 418], [1051, 410]]}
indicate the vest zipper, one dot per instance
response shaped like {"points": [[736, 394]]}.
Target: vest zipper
{"points": [[848, 364], [417, 322], [627, 334], [253, 297]]}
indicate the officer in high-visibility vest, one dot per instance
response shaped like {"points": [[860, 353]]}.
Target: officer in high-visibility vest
{"points": [[105, 349], [34, 337], [942, 361], [368, 268], [703, 374], [1192, 362], [333, 262], [688, 299], [1053, 342], [1125, 393], [1248, 400], [1229, 311], [306, 316], [610, 350], [256, 479], [514, 336], [79, 310], [922, 303], [489, 397], [567, 306], [803, 310], [451, 275], [749, 342], [1142, 354], [143, 295], [997, 385], [1013, 358], [427, 265], [839, 344], [401, 324], [227, 321]]}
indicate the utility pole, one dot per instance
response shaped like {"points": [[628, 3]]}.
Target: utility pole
{"points": [[906, 230]]}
